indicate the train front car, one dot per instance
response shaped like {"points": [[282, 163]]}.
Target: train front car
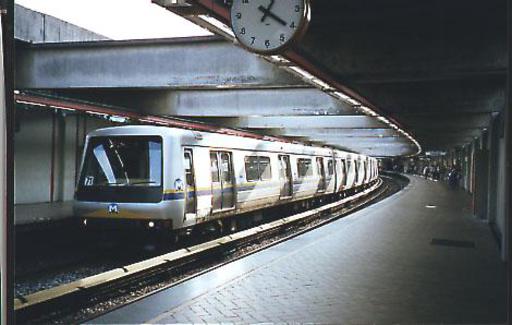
{"points": [[122, 180]]}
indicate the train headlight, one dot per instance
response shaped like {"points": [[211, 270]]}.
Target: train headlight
{"points": [[151, 224], [84, 222]]}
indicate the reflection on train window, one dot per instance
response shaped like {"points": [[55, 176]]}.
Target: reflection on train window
{"points": [[225, 171], [189, 172], [123, 161], [257, 168], [214, 166], [356, 168], [264, 168], [251, 169], [304, 167], [344, 172], [330, 167]]}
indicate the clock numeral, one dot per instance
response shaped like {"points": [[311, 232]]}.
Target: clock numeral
{"points": [[282, 38], [238, 15], [242, 31], [253, 39], [292, 25], [267, 43], [297, 8]]}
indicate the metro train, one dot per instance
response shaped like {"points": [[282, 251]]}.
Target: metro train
{"points": [[175, 179]]}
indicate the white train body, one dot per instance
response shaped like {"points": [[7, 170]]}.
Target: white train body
{"points": [[174, 178]]}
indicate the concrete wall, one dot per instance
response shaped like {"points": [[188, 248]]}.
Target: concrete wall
{"points": [[37, 132], [32, 156], [35, 27]]}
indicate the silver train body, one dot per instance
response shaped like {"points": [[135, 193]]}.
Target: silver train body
{"points": [[161, 177]]}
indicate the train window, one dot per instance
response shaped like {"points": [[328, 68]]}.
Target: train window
{"points": [[123, 161], [304, 167], [344, 171], [251, 168], [356, 168], [264, 168], [225, 171], [214, 166], [257, 168], [283, 166], [189, 173], [330, 167]]}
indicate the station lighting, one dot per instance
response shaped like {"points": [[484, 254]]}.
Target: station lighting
{"points": [[118, 119], [30, 103], [277, 59], [62, 108], [216, 26], [177, 3]]}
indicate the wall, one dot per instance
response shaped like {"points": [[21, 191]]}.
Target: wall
{"points": [[35, 27], [501, 200], [36, 130], [32, 155]]}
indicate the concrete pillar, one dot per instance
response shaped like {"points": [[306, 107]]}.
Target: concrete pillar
{"points": [[6, 164], [481, 183], [507, 251], [492, 178], [32, 155]]}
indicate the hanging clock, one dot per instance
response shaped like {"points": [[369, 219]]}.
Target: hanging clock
{"points": [[269, 26]]}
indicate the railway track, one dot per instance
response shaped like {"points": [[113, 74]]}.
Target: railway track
{"points": [[85, 299]]}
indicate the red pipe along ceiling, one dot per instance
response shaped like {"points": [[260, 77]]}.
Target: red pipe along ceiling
{"points": [[66, 104]]}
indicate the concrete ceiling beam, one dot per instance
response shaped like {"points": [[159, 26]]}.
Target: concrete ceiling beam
{"points": [[169, 63], [345, 133], [225, 103], [304, 122]]}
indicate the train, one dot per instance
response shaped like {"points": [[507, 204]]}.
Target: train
{"points": [[173, 180]]}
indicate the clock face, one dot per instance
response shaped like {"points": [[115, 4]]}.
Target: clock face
{"points": [[269, 26]]}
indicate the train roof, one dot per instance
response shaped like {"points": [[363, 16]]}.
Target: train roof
{"points": [[219, 140]]}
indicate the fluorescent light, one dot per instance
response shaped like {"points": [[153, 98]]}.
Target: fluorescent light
{"points": [[217, 25], [31, 103]]}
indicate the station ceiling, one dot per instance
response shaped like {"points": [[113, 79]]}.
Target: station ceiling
{"points": [[436, 68]]}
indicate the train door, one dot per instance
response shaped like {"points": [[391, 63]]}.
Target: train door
{"points": [[285, 175], [222, 180], [363, 178], [330, 172], [226, 179], [356, 171], [321, 173], [190, 183], [216, 185], [336, 174], [344, 173]]}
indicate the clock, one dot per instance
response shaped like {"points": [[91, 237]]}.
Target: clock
{"points": [[269, 26]]}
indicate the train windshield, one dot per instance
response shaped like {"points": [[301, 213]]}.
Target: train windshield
{"points": [[121, 161]]}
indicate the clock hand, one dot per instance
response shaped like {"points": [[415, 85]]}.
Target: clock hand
{"points": [[266, 12]]}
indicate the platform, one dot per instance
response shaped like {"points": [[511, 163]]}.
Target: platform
{"points": [[416, 257]]}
